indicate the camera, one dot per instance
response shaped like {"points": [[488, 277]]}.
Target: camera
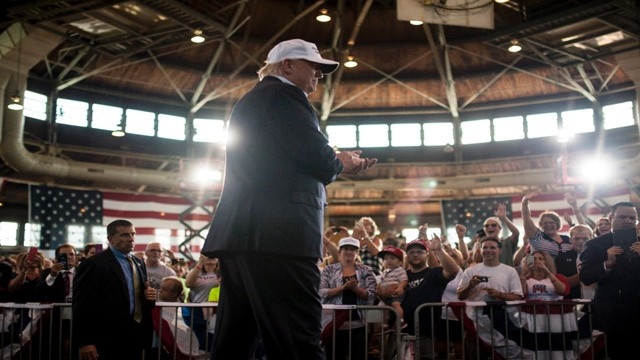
{"points": [[483, 278], [481, 233]]}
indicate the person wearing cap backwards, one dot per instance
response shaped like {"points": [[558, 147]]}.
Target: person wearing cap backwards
{"points": [[394, 275], [267, 227], [426, 284], [348, 282]]}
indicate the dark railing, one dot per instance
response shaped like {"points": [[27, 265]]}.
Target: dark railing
{"points": [[472, 330]]}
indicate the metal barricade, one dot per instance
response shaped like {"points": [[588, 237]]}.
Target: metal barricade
{"points": [[508, 330], [477, 330]]}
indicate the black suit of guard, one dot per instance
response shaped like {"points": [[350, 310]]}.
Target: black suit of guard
{"points": [[101, 314], [267, 228]]}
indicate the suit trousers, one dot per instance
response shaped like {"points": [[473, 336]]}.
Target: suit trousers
{"points": [[272, 298]]}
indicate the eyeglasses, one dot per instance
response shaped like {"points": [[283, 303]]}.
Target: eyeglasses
{"points": [[490, 225], [155, 250]]}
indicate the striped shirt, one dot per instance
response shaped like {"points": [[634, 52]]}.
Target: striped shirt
{"points": [[542, 242]]}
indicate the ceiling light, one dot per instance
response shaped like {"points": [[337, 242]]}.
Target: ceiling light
{"points": [[16, 102], [416, 22], [324, 16], [502, 1], [350, 63], [197, 36], [118, 133], [515, 46]]}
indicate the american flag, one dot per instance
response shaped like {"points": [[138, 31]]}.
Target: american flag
{"points": [[55, 208], [168, 219], [155, 216], [592, 206], [471, 212]]}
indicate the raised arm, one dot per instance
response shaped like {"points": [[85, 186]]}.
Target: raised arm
{"points": [[530, 228], [522, 251], [449, 266], [501, 213], [571, 200], [462, 246]]}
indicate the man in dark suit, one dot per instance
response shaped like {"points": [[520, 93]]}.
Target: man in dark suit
{"points": [[616, 270], [111, 315], [56, 286], [267, 228]]}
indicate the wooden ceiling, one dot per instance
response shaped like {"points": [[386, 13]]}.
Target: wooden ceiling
{"points": [[138, 54]]}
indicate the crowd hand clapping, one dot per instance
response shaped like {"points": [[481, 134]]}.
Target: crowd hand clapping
{"points": [[350, 284], [501, 212], [435, 243], [422, 231], [352, 163], [531, 195]]}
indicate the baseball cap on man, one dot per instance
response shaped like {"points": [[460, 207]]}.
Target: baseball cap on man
{"points": [[300, 49], [418, 242], [393, 251], [349, 241]]}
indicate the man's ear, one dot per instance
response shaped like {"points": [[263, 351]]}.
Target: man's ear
{"points": [[285, 66]]}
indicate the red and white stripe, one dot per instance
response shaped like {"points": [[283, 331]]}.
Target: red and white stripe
{"points": [[157, 216], [557, 203]]}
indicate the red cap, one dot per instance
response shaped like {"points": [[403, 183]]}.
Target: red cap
{"points": [[393, 251], [418, 242]]}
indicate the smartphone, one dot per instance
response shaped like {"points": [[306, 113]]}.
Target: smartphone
{"points": [[31, 255], [529, 261], [64, 259], [483, 278], [481, 233], [98, 248], [624, 238]]}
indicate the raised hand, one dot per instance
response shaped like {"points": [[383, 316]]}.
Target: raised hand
{"points": [[501, 212]]}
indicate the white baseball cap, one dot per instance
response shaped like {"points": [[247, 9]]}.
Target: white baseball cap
{"points": [[349, 241], [300, 49]]}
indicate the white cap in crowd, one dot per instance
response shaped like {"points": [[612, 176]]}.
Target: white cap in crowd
{"points": [[350, 242]]}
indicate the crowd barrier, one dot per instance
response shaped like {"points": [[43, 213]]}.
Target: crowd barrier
{"points": [[468, 330]]}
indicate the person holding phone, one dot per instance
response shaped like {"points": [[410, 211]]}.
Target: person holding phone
{"points": [[23, 283], [56, 286], [57, 281], [490, 280], [617, 275]]}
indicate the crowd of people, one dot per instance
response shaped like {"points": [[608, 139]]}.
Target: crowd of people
{"points": [[115, 288], [547, 268], [266, 241]]}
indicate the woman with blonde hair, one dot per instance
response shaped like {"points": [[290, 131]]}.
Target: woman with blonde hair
{"points": [[549, 323]]}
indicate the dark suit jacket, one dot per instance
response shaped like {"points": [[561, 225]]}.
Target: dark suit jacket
{"points": [[101, 313], [277, 164], [618, 291], [53, 293]]}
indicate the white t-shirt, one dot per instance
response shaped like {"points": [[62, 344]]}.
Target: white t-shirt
{"points": [[502, 277]]}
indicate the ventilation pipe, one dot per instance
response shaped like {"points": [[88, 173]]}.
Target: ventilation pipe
{"points": [[36, 44], [39, 43]]}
